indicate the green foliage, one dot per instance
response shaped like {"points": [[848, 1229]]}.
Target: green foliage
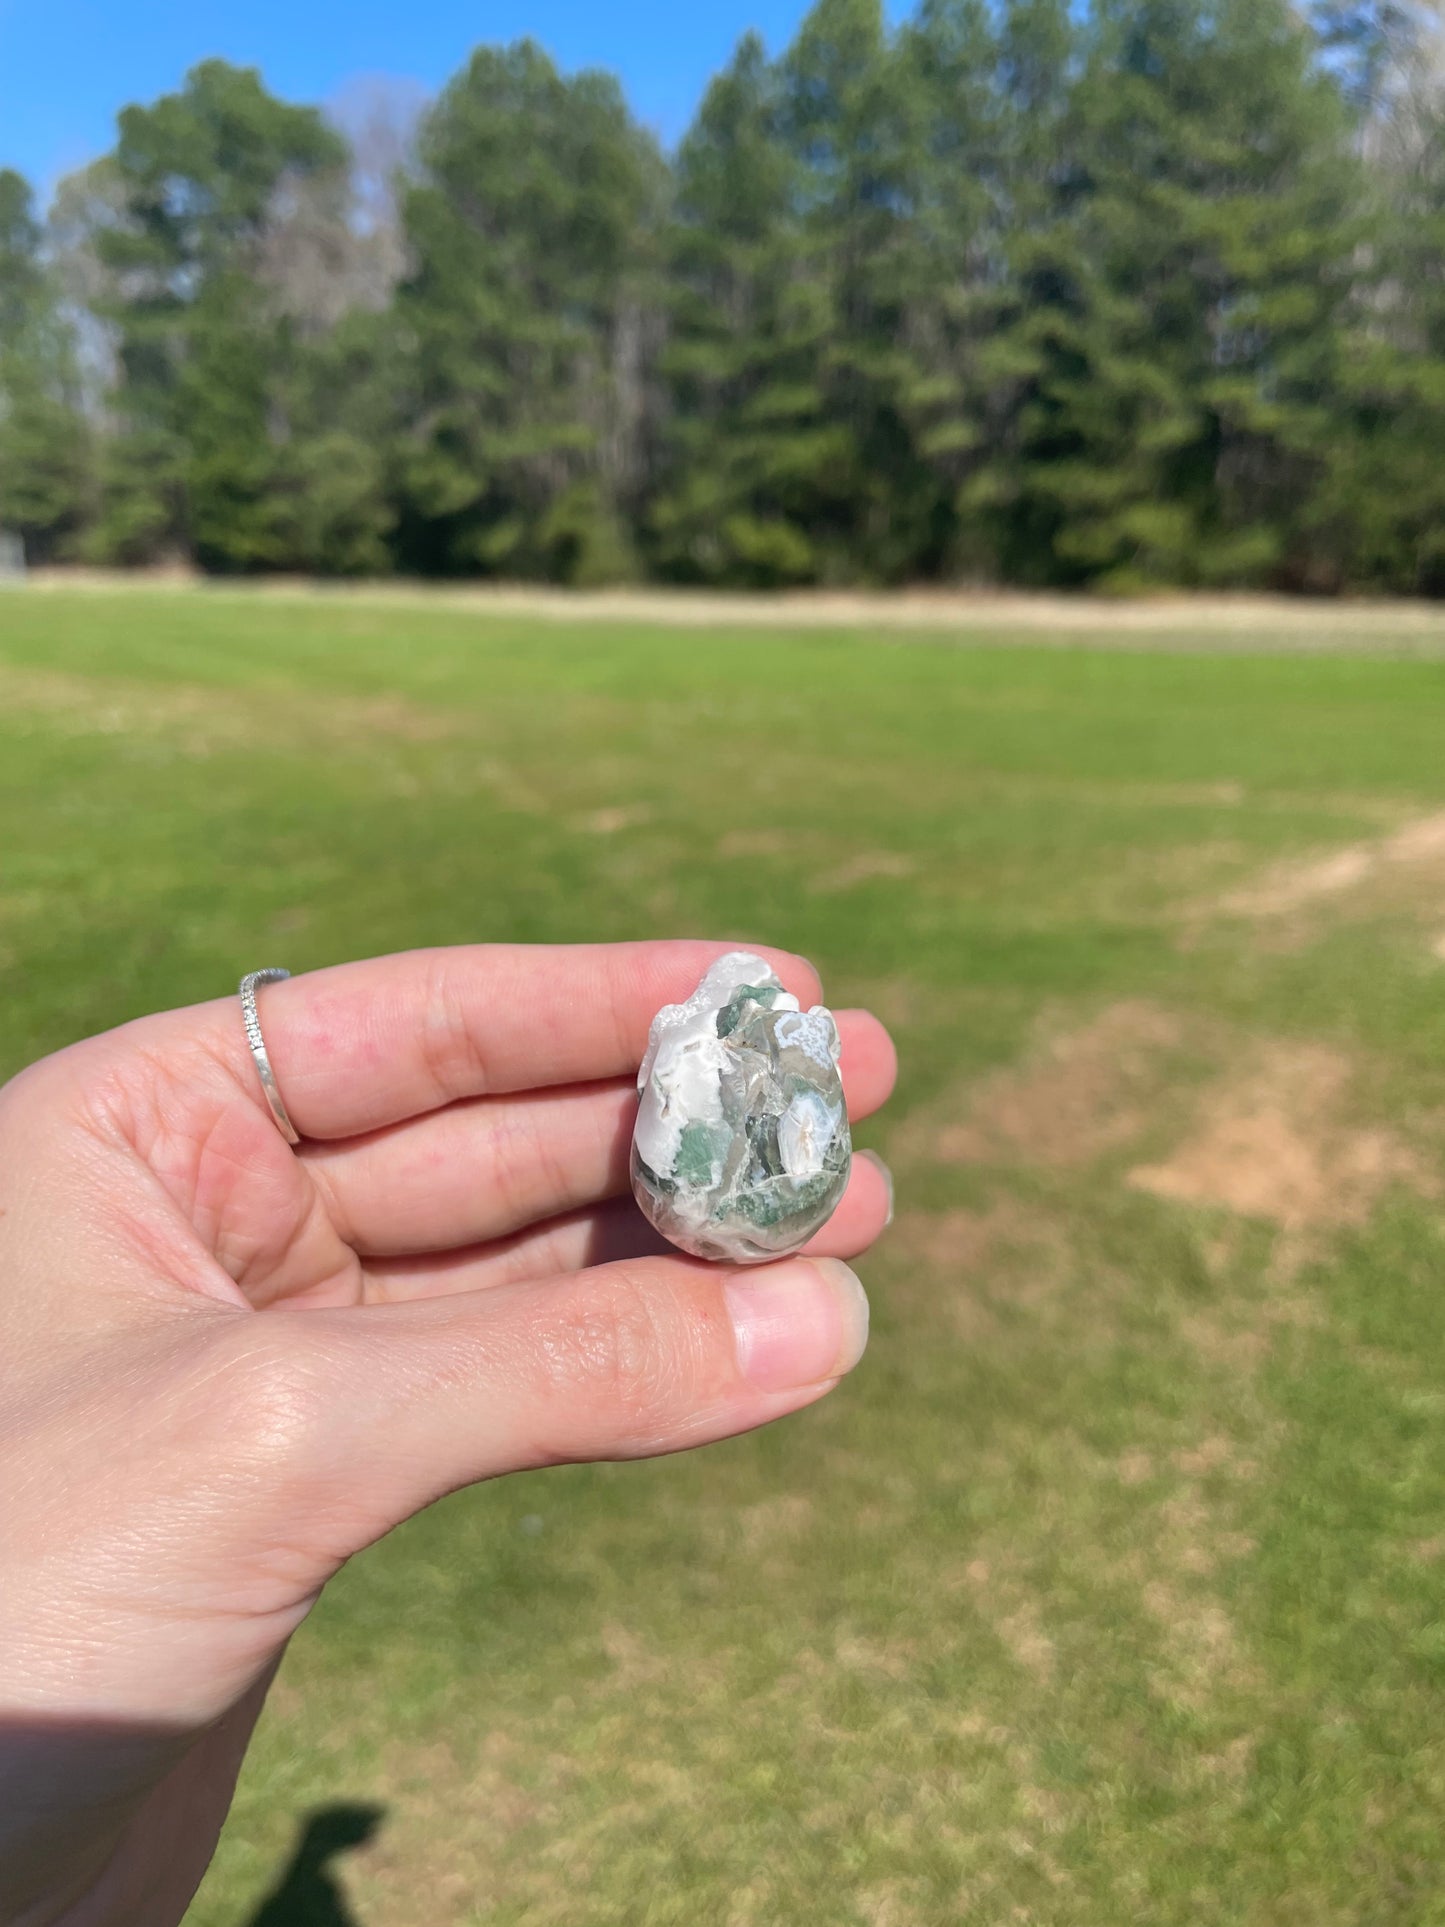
{"points": [[44, 443], [741, 347], [529, 232], [1121, 294], [198, 460], [1196, 246], [1383, 503]]}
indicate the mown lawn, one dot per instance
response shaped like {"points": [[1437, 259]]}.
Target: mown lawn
{"points": [[1112, 1587]]}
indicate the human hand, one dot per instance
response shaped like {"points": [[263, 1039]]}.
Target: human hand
{"points": [[226, 1366]]}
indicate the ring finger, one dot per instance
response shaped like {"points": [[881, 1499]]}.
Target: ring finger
{"points": [[606, 1233], [485, 1168]]}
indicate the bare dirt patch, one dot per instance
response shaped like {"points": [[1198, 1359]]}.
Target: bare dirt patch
{"points": [[1276, 1143], [1418, 844], [619, 816], [1080, 1095], [1278, 1136]]}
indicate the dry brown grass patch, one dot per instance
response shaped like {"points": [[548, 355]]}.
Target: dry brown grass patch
{"points": [[1200, 1641], [1082, 1094], [607, 822], [867, 866], [1135, 1467], [1200, 1652], [957, 1239], [1169, 619], [1408, 849], [780, 1520], [739, 843], [1013, 1616], [1275, 1143], [202, 719], [960, 1258], [634, 1664], [1280, 1140]]}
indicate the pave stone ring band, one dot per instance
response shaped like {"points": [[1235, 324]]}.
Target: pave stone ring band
{"points": [[258, 1048]]}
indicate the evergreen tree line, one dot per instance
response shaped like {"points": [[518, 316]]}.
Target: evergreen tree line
{"points": [[1138, 292]]}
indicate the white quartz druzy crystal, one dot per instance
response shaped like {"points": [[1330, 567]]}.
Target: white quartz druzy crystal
{"points": [[741, 1149]]}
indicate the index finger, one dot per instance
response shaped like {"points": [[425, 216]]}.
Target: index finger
{"points": [[360, 1045]]}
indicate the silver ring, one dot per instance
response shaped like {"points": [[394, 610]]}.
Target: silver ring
{"points": [[258, 1048]]}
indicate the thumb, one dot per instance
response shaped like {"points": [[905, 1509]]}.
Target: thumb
{"points": [[623, 1361]]}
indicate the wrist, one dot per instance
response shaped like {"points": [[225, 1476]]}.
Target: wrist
{"points": [[109, 1822]]}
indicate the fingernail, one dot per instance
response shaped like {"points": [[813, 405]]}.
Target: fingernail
{"points": [[797, 1323], [872, 1157]]}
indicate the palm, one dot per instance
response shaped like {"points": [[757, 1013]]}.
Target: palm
{"points": [[185, 1475]]}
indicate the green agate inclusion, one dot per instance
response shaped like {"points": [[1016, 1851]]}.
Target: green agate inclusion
{"points": [[730, 1016], [741, 1149]]}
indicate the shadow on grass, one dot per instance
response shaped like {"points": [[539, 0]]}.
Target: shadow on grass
{"points": [[307, 1894]]}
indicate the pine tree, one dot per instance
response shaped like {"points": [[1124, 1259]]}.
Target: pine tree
{"points": [[1379, 514], [1200, 241], [947, 274], [853, 123], [799, 385], [44, 441], [197, 460], [1035, 296], [527, 313], [1075, 292], [332, 255], [743, 399]]}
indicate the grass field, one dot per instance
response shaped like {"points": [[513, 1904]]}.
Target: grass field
{"points": [[1112, 1587]]}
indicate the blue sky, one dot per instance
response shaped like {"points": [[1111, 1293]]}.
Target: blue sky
{"points": [[66, 66]]}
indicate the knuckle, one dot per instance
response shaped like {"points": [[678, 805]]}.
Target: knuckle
{"points": [[532, 1166], [615, 1348], [514, 1160], [448, 1038]]}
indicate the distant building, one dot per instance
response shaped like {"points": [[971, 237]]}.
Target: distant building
{"points": [[12, 554]]}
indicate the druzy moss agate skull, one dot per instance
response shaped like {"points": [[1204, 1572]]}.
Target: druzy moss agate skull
{"points": [[741, 1149]]}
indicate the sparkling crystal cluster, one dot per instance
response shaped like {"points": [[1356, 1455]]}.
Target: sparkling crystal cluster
{"points": [[741, 1149]]}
